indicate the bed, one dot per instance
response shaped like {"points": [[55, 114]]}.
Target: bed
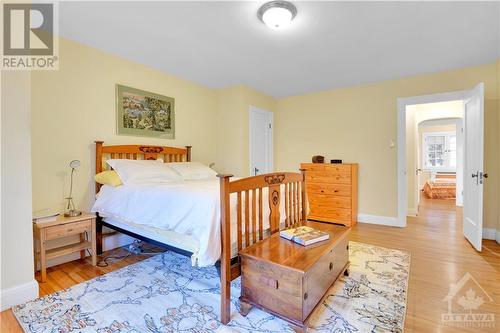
{"points": [[440, 186], [209, 220]]}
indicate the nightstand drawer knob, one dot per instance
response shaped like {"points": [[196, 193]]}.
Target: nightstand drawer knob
{"points": [[331, 266]]}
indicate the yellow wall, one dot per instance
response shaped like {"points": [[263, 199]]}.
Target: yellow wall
{"points": [[498, 146], [356, 124], [233, 127], [16, 237], [75, 105]]}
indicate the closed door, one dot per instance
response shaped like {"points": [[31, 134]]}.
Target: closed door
{"points": [[474, 173], [261, 141]]}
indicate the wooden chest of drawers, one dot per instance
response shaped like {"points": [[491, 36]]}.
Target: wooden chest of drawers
{"points": [[332, 191], [289, 280]]}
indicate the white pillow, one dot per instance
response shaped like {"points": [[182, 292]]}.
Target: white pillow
{"points": [[192, 170], [143, 171]]}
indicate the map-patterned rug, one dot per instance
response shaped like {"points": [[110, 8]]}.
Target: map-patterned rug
{"points": [[166, 294]]}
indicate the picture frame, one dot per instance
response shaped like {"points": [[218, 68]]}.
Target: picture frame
{"points": [[143, 113]]}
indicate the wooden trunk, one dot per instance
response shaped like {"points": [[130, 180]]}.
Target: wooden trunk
{"points": [[332, 190], [289, 280]]}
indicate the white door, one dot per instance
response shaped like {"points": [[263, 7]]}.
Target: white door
{"points": [[473, 166], [261, 141]]}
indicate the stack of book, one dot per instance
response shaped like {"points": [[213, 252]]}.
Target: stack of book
{"points": [[46, 215], [304, 235]]}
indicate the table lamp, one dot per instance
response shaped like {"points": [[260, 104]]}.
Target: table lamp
{"points": [[70, 209]]}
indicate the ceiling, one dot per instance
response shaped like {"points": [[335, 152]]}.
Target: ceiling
{"points": [[329, 45]]}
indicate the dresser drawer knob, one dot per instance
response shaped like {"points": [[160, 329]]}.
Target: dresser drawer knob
{"points": [[305, 296], [335, 191], [331, 266]]}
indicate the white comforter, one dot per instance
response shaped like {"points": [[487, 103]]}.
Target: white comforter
{"points": [[187, 207]]}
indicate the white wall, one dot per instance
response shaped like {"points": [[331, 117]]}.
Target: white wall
{"points": [[17, 279]]}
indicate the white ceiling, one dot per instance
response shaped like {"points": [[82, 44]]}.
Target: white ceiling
{"points": [[329, 45]]}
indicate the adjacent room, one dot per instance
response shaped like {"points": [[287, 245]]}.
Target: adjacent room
{"points": [[250, 166]]}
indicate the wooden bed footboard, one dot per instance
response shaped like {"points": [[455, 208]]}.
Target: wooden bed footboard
{"points": [[250, 220], [251, 198]]}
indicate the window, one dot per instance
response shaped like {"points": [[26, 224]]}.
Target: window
{"points": [[440, 151]]}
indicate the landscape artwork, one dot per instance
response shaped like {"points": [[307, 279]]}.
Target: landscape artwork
{"points": [[144, 114]]}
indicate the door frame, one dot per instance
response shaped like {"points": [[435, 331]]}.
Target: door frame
{"points": [[252, 110], [403, 102]]}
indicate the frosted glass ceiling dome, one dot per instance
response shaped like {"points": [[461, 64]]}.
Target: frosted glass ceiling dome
{"points": [[277, 14]]}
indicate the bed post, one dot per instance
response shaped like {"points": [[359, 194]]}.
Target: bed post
{"points": [[304, 197], [98, 168], [225, 259], [188, 155], [98, 162]]}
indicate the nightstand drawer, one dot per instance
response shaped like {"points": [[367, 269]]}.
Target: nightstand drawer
{"points": [[68, 229]]}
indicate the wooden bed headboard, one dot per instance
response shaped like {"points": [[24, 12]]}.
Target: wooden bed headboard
{"points": [[137, 152]]}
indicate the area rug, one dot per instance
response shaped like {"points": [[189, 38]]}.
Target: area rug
{"points": [[165, 294]]}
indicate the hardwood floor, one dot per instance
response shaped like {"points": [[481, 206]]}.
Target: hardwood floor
{"points": [[440, 256]]}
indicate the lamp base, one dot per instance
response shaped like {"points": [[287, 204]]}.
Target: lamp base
{"points": [[72, 213]]}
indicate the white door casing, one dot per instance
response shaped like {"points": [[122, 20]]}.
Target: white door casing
{"points": [[473, 166], [261, 141]]}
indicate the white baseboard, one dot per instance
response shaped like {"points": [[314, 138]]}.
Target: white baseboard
{"points": [[18, 294], [108, 243], [376, 219], [491, 234], [411, 212]]}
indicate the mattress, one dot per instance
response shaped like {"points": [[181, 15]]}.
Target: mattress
{"points": [[185, 213], [172, 238]]}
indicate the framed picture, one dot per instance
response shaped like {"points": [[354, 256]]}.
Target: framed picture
{"points": [[142, 113]]}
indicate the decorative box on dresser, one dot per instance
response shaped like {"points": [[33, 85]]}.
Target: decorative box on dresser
{"points": [[332, 191]]}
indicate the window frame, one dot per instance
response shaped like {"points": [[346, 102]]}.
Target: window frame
{"points": [[446, 157]]}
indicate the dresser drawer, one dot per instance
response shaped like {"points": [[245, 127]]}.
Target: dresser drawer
{"points": [[334, 189], [340, 177], [329, 200], [313, 167], [338, 168], [326, 213], [63, 230]]}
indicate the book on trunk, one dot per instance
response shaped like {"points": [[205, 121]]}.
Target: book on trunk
{"points": [[304, 235]]}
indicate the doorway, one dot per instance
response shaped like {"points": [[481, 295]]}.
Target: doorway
{"points": [[434, 142], [261, 141], [444, 155]]}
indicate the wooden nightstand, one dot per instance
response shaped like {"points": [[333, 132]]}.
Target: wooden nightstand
{"points": [[63, 227]]}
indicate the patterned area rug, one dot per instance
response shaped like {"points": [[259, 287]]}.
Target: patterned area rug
{"points": [[165, 294]]}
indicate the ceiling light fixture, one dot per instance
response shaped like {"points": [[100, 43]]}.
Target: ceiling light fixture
{"points": [[277, 14]]}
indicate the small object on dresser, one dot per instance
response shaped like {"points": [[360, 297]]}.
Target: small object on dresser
{"points": [[45, 215], [336, 161], [304, 235], [318, 159]]}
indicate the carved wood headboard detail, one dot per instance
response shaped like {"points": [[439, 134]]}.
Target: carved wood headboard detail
{"points": [[137, 152]]}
